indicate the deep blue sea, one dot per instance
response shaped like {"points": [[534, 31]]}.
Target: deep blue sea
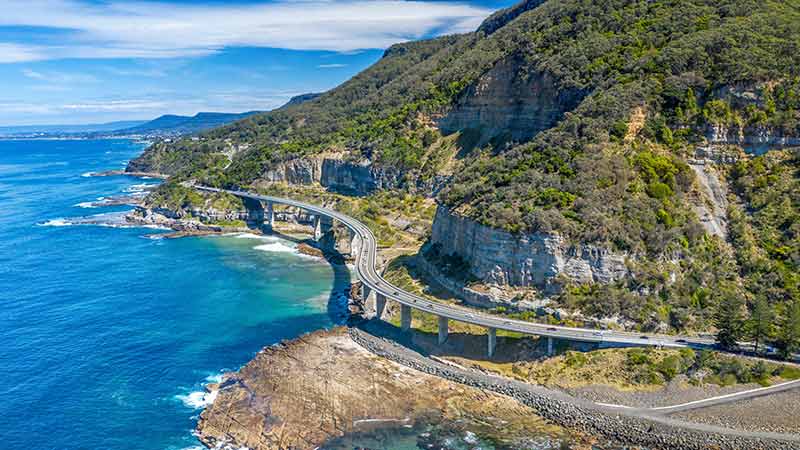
{"points": [[107, 334]]}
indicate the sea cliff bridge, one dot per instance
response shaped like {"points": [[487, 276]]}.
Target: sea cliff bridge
{"points": [[365, 251]]}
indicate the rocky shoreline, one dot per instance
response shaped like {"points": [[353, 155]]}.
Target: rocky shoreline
{"points": [[654, 431], [113, 173], [323, 387]]}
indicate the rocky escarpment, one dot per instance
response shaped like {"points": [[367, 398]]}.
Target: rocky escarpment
{"points": [[509, 102], [754, 139], [530, 260], [351, 177]]}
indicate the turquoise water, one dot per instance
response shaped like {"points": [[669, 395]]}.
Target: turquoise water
{"points": [[108, 334]]}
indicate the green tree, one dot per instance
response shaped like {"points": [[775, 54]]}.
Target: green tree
{"points": [[789, 341], [759, 326], [729, 321]]}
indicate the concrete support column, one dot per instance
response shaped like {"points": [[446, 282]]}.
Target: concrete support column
{"points": [[405, 317], [380, 304], [366, 292], [270, 216], [317, 228], [354, 244], [492, 344], [443, 322], [550, 346]]}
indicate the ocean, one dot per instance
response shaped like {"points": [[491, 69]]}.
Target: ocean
{"points": [[109, 334]]}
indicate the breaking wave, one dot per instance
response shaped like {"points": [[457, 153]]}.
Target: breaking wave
{"points": [[198, 399]]}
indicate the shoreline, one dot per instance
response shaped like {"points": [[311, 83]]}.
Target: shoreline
{"points": [[123, 172], [323, 387]]}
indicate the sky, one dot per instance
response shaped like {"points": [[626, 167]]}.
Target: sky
{"points": [[93, 61]]}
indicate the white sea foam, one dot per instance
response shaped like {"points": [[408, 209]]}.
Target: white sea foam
{"points": [[253, 236], [276, 247], [86, 205], [87, 174], [56, 223], [139, 188], [110, 220], [198, 399], [214, 378]]}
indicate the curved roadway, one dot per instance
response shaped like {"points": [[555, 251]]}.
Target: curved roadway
{"points": [[369, 276]]}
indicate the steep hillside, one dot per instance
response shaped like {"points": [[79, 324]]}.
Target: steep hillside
{"points": [[579, 149]]}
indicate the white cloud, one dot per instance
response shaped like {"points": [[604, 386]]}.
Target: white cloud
{"points": [[115, 106], [33, 74], [59, 77], [90, 106], [137, 73], [331, 66], [146, 106], [131, 29], [15, 53]]}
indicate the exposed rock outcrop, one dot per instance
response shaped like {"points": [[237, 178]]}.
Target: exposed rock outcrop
{"points": [[510, 102], [351, 177], [335, 173], [712, 207], [294, 171], [341, 175], [755, 140], [530, 260], [302, 393]]}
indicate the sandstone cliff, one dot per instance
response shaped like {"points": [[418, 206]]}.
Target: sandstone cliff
{"points": [[753, 139], [530, 260], [508, 101], [338, 174]]}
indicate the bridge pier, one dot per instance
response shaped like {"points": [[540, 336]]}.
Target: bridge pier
{"points": [[317, 228], [380, 304], [366, 292], [405, 317], [354, 244], [550, 346], [443, 322], [270, 216], [492, 343]]}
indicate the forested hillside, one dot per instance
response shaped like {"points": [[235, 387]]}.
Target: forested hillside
{"points": [[591, 120]]}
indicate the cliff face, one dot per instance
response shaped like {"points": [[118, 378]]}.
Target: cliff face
{"points": [[531, 260], [509, 101], [361, 179], [294, 171], [753, 139], [333, 173], [348, 177]]}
